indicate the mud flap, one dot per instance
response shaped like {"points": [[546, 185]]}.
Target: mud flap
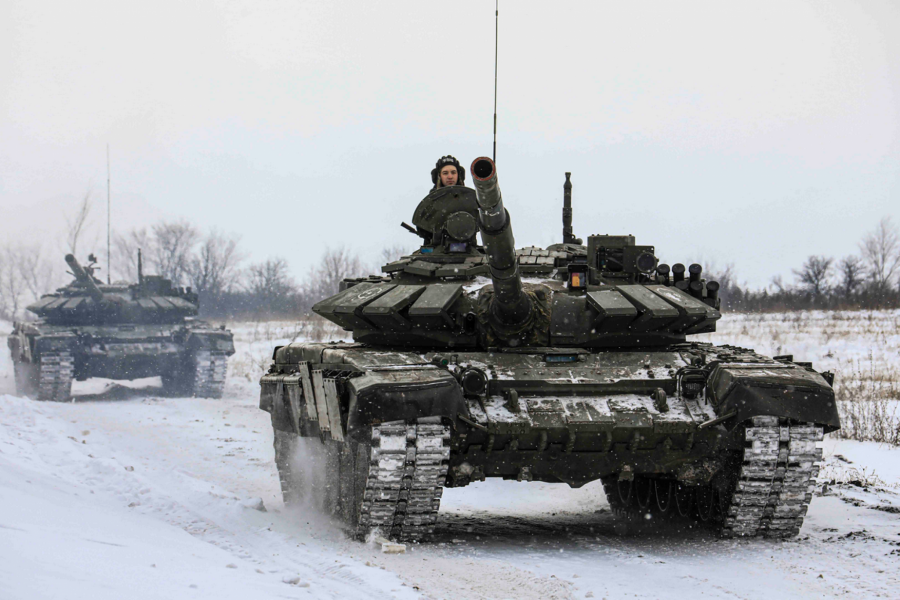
{"points": [[280, 396], [402, 395]]}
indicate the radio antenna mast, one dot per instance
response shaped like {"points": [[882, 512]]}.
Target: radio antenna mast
{"points": [[108, 212], [496, 32]]}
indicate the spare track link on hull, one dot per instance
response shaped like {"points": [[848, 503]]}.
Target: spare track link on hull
{"points": [[210, 369], [775, 484], [406, 475], [55, 378]]}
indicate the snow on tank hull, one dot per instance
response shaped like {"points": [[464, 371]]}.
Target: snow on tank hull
{"points": [[190, 359], [567, 364], [648, 423], [120, 331]]}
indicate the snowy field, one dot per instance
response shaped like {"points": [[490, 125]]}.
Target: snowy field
{"points": [[126, 494]]}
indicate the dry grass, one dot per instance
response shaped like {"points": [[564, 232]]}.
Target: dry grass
{"points": [[837, 472], [862, 349], [869, 403]]}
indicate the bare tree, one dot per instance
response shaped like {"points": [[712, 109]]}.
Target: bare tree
{"points": [[778, 285], [814, 275], [75, 223], [36, 271], [173, 244], [725, 277], [25, 275], [394, 252], [337, 264], [125, 249], [167, 250], [881, 253], [214, 269], [851, 273], [13, 289], [11, 286], [271, 285]]}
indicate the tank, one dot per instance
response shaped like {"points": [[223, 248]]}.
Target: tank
{"points": [[121, 331], [568, 364]]}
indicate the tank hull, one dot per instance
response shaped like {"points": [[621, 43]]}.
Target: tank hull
{"points": [[676, 418], [189, 358]]}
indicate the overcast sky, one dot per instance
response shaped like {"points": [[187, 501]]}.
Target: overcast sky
{"points": [[754, 134]]}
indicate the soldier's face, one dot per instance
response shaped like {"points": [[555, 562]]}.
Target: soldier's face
{"points": [[449, 175]]}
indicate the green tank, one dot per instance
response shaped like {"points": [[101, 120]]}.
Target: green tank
{"points": [[121, 331], [568, 364]]}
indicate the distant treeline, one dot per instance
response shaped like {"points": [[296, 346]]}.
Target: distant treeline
{"points": [[214, 265], [867, 280]]}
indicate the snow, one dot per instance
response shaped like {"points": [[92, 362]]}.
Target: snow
{"points": [[124, 493], [831, 340]]}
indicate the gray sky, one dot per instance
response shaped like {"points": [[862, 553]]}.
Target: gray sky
{"points": [[755, 134]]}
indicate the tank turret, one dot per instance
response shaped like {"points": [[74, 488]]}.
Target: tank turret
{"points": [[452, 292], [87, 300]]}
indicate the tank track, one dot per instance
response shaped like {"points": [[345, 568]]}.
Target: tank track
{"points": [[768, 497], [406, 474], [210, 368], [775, 484], [55, 376]]}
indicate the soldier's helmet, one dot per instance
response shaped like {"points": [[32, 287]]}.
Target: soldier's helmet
{"points": [[443, 162]]}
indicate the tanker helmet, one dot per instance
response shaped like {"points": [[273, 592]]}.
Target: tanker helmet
{"points": [[443, 162]]}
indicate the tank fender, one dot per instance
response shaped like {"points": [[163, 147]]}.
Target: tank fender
{"points": [[55, 343], [220, 341], [291, 354], [780, 390], [402, 394]]}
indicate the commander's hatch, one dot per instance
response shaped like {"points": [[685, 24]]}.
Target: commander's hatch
{"points": [[450, 215]]}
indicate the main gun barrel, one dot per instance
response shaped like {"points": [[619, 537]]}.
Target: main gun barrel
{"points": [[511, 305], [83, 278]]}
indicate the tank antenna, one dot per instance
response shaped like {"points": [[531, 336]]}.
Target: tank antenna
{"points": [[108, 212], [568, 236], [496, 31]]}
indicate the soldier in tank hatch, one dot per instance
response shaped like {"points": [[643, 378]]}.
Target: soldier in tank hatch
{"points": [[446, 172]]}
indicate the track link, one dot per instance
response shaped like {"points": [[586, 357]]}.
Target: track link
{"points": [[55, 377], [776, 480], [210, 368], [406, 474]]}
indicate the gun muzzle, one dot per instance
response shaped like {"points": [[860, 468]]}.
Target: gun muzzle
{"points": [[490, 202], [511, 304]]}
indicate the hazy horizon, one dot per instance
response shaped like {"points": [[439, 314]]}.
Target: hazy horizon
{"points": [[748, 134]]}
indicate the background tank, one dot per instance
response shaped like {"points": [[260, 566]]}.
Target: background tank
{"points": [[567, 364], [88, 329]]}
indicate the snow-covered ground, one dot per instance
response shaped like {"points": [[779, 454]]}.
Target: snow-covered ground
{"points": [[845, 342], [126, 494]]}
